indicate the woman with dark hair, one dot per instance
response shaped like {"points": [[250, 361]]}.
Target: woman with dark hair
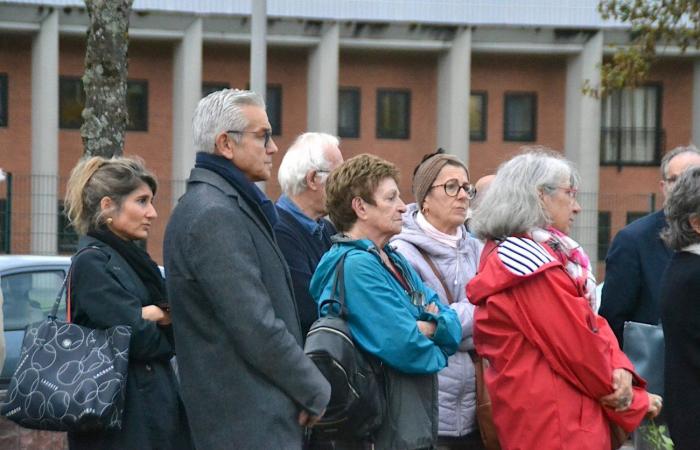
{"points": [[392, 315], [114, 282], [556, 375], [680, 311]]}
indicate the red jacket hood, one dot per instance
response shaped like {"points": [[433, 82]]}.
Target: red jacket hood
{"points": [[506, 263]]}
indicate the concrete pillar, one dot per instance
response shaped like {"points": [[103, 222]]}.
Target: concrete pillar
{"points": [[322, 79], [696, 103], [258, 47], [44, 209], [454, 80], [187, 91], [582, 138]]}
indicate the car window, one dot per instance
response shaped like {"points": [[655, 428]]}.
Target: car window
{"points": [[29, 297]]}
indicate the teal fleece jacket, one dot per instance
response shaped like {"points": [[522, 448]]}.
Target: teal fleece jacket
{"points": [[381, 314]]}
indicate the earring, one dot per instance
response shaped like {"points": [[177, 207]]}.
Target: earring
{"points": [[109, 220]]}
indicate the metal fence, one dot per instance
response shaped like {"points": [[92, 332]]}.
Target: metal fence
{"points": [[32, 219]]}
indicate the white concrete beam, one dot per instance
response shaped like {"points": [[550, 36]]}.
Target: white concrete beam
{"points": [[322, 82], [45, 136], [258, 47], [454, 74], [582, 138], [187, 91]]}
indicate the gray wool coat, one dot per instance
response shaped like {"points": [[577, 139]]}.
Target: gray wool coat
{"points": [[244, 376]]}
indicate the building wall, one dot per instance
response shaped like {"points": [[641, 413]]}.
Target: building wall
{"points": [[499, 74], [369, 70]]}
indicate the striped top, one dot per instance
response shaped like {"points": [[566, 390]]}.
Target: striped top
{"points": [[523, 256]]}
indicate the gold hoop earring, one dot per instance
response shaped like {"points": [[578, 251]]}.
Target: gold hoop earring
{"points": [[109, 220]]}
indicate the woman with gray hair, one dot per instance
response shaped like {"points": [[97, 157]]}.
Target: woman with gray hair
{"points": [[680, 311], [556, 375]]}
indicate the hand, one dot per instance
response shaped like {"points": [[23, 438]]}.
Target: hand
{"points": [[656, 403], [153, 313], [621, 398], [307, 420], [432, 308], [427, 328]]}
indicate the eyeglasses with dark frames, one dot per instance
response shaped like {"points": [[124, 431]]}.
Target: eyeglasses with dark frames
{"points": [[453, 186], [267, 136]]}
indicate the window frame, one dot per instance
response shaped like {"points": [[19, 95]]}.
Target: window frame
{"points": [[357, 93], [660, 134], [276, 130], [213, 86], [532, 136], [604, 247], [143, 103], [483, 132], [4, 100], [382, 134]]}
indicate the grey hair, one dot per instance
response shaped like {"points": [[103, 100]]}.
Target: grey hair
{"points": [[221, 111], [512, 203], [308, 152], [682, 205], [666, 160]]}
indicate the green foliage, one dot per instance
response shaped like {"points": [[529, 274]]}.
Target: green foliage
{"points": [[657, 436], [653, 23]]}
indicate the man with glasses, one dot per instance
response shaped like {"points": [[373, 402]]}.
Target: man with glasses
{"points": [[637, 256], [303, 233], [245, 380]]}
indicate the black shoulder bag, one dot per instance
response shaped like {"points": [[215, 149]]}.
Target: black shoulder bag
{"points": [[69, 377], [357, 406]]}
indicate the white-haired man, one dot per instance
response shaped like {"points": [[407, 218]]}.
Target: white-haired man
{"points": [[302, 232], [245, 380]]}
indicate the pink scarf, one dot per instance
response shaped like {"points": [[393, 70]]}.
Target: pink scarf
{"points": [[574, 259]]}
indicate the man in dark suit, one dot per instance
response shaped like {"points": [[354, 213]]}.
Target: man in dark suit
{"points": [[245, 380], [637, 256], [302, 233]]}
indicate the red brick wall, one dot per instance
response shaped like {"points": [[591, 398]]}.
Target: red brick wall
{"points": [[370, 71]]}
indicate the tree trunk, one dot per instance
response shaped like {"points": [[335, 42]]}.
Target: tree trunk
{"points": [[105, 114]]}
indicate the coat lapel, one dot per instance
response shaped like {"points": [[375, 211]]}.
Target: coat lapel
{"points": [[258, 218]]}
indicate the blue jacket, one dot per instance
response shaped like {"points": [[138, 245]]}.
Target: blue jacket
{"points": [[635, 262], [381, 315]]}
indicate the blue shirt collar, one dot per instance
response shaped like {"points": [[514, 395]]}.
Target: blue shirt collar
{"points": [[314, 228]]}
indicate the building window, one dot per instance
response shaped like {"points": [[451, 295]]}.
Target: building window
{"points": [[137, 105], [631, 131], [603, 234], [477, 116], [67, 237], [72, 102], [520, 117], [3, 100], [208, 88], [393, 114], [349, 112], [273, 106], [634, 215]]}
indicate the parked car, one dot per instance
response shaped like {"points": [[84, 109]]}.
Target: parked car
{"points": [[29, 286]]}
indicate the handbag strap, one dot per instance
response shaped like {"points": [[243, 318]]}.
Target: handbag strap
{"points": [[339, 287], [437, 274], [66, 285]]}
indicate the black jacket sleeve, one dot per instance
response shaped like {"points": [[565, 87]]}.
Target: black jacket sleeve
{"points": [[103, 296]]}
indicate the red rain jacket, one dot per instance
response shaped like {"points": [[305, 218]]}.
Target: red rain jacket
{"points": [[551, 357]]}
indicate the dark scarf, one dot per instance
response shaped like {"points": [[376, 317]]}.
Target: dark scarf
{"points": [[233, 175], [146, 269]]}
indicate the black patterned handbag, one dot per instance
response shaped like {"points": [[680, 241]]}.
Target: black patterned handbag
{"points": [[69, 377]]}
